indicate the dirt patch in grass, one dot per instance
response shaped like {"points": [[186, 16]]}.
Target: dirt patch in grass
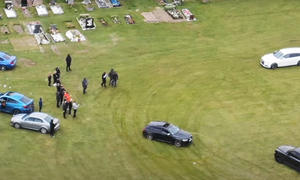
{"points": [[27, 62], [24, 43], [18, 28], [159, 15]]}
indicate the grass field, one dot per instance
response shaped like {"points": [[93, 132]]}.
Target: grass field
{"points": [[203, 76]]}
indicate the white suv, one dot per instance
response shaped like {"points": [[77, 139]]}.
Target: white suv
{"points": [[283, 57]]}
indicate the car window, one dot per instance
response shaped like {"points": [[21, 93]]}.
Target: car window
{"points": [[31, 119], [166, 131], [38, 120], [287, 56], [25, 100], [295, 154], [11, 100], [1, 59]]}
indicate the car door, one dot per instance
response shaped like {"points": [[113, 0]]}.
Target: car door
{"points": [[38, 123], [28, 123], [288, 60], [167, 136], [11, 104]]}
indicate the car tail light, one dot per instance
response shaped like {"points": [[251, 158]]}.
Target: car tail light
{"points": [[26, 106], [12, 62]]}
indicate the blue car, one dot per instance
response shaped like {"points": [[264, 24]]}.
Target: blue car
{"points": [[7, 61], [115, 3], [15, 103]]}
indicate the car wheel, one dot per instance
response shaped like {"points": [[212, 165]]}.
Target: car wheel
{"points": [[177, 143], [43, 131], [298, 64], [16, 111], [149, 136], [17, 125], [274, 66], [2, 68]]}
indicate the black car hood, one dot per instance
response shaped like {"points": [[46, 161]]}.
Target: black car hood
{"points": [[182, 135]]}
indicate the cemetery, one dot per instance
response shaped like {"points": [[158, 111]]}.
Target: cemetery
{"points": [[193, 63]]}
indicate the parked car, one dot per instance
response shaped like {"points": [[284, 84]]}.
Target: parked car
{"points": [[15, 103], [166, 132], [289, 156], [7, 61], [115, 3], [281, 58], [37, 121]]}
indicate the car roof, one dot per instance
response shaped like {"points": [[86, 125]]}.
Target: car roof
{"points": [[14, 95], [159, 123], [290, 50], [39, 115]]}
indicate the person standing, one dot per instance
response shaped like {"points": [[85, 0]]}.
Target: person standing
{"points": [[68, 62], [84, 85], [54, 78], [75, 107], [40, 105], [57, 72], [104, 76], [65, 106], [110, 75], [70, 106], [49, 80], [57, 98], [115, 79], [51, 128]]}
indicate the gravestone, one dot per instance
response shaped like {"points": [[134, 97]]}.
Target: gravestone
{"points": [[89, 23]]}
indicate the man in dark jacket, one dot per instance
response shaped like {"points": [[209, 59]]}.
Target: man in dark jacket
{"points": [[40, 105], [65, 106], [51, 128], [54, 78], [57, 99], [115, 78], [104, 76], [57, 72], [49, 79], [84, 85], [68, 62], [110, 75]]}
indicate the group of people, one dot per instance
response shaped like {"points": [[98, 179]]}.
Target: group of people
{"points": [[113, 78]]}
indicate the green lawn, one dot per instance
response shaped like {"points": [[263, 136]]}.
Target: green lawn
{"points": [[203, 76]]}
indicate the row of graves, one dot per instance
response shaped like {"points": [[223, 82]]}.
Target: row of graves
{"points": [[55, 8], [172, 8], [52, 34]]}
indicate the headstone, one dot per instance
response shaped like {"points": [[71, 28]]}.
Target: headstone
{"points": [[89, 23], [24, 3]]}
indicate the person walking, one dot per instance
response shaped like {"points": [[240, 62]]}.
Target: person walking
{"points": [[115, 78], [65, 106], [84, 85], [68, 62], [75, 107], [49, 80], [104, 76], [51, 128], [40, 105]]}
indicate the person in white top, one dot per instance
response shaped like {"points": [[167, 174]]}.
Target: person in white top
{"points": [[75, 107]]}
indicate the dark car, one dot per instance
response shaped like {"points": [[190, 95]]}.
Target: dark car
{"points": [[289, 156], [166, 132]]}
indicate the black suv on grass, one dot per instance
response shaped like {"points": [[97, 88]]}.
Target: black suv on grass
{"points": [[289, 156], [165, 132]]}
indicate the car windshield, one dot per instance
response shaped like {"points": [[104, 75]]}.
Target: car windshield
{"points": [[48, 118], [24, 116], [173, 129], [25, 100], [278, 54]]}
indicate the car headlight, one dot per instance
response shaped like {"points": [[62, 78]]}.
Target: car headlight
{"points": [[185, 140]]}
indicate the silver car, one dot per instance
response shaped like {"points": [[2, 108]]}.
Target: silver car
{"points": [[36, 121]]}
